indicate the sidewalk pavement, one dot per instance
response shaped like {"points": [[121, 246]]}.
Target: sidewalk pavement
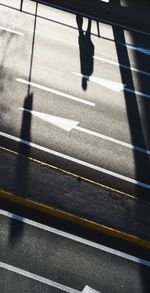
{"points": [[55, 192], [133, 13]]}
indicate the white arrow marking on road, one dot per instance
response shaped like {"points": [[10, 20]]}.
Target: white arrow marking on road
{"points": [[139, 49], [68, 125], [63, 123], [112, 85], [88, 289]]}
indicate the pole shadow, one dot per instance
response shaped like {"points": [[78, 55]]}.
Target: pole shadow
{"points": [[22, 164], [135, 119], [86, 49]]}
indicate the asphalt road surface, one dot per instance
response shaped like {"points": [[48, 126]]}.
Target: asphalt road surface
{"points": [[77, 95], [36, 257]]}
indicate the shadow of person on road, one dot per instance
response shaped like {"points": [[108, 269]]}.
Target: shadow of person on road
{"points": [[86, 48]]}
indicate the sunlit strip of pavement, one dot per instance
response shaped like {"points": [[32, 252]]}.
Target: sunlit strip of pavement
{"points": [[11, 31], [79, 162], [75, 238], [56, 92]]}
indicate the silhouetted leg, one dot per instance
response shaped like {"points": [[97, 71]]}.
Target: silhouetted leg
{"points": [[98, 30], [88, 32], [79, 20], [21, 5]]}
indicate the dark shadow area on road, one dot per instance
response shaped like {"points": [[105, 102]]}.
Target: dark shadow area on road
{"points": [[22, 172], [139, 121], [133, 104], [143, 84], [86, 49]]}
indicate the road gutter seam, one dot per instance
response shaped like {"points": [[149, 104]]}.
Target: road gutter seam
{"points": [[74, 219], [65, 172]]}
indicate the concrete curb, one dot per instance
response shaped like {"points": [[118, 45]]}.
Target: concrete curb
{"points": [[74, 219]]}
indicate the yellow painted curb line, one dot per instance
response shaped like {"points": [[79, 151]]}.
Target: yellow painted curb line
{"points": [[74, 219]]}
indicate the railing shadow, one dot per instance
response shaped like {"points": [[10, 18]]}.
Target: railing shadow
{"points": [[20, 8]]}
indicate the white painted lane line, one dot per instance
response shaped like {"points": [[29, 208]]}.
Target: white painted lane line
{"points": [[11, 31], [68, 125], [122, 66], [137, 93], [76, 238], [37, 278], [80, 162], [127, 145], [138, 49], [110, 84], [56, 92]]}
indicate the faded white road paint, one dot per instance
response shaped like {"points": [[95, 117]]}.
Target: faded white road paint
{"points": [[72, 159], [11, 31], [68, 125], [75, 238], [56, 92]]}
